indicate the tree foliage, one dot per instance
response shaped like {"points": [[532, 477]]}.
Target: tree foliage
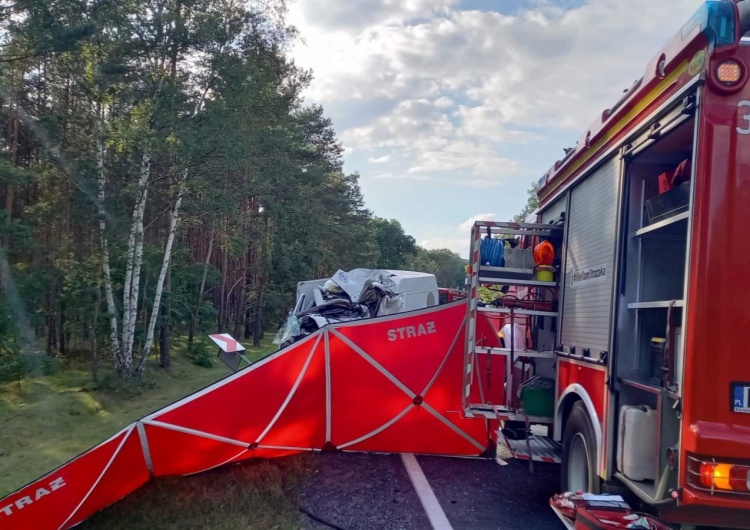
{"points": [[532, 203], [159, 171], [396, 247], [448, 267]]}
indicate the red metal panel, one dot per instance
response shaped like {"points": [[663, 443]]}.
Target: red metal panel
{"points": [[716, 340], [592, 378]]}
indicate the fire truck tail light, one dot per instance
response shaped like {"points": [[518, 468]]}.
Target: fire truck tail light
{"points": [[707, 474], [729, 72]]}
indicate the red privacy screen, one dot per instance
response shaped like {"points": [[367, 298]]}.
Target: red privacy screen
{"points": [[387, 385]]}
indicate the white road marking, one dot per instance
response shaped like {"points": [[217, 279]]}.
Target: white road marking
{"points": [[431, 506]]}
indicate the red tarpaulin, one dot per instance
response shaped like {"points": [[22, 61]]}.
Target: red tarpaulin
{"points": [[392, 384]]}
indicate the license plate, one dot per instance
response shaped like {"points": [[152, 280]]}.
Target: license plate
{"points": [[740, 396]]}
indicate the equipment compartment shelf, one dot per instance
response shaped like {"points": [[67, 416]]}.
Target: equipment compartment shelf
{"points": [[517, 353], [505, 276], [641, 385], [517, 311], [670, 226], [649, 387], [503, 414], [659, 304], [522, 229]]}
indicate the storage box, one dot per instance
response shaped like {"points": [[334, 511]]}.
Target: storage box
{"points": [[538, 397], [669, 203]]}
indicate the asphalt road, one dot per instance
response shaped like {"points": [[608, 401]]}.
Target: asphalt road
{"points": [[367, 491]]}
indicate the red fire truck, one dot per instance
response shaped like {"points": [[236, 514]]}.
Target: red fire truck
{"points": [[629, 342], [446, 295]]}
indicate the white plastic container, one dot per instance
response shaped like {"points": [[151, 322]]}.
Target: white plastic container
{"points": [[636, 451]]}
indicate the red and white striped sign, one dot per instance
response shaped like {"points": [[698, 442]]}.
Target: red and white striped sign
{"points": [[226, 342]]}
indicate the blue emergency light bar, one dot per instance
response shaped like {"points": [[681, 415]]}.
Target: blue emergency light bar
{"points": [[717, 20]]}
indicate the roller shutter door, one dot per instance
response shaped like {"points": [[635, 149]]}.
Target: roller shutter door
{"points": [[589, 267]]}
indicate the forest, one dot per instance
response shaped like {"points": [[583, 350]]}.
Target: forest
{"points": [[161, 176]]}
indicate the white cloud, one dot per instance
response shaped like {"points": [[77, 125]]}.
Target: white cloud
{"points": [[416, 123], [546, 65], [486, 123], [478, 159], [469, 223], [429, 142], [443, 102], [335, 14], [457, 245], [425, 178], [442, 179], [379, 160], [473, 99]]}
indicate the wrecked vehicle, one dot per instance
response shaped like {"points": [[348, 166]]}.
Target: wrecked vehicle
{"points": [[356, 295]]}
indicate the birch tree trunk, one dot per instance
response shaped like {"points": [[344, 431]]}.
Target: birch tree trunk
{"points": [[134, 262], [94, 334], [163, 273], [174, 219], [117, 357], [165, 339], [128, 281]]}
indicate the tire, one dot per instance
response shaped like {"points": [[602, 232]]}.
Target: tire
{"points": [[578, 469]]}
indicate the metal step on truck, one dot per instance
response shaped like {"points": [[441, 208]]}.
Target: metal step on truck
{"points": [[624, 302]]}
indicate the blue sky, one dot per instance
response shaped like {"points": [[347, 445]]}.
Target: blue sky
{"points": [[450, 109]]}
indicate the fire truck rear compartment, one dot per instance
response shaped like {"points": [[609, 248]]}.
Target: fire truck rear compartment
{"points": [[649, 303]]}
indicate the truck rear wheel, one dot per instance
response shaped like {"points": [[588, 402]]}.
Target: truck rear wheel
{"points": [[578, 467]]}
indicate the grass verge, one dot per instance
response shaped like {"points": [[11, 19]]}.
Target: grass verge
{"points": [[46, 421], [250, 495]]}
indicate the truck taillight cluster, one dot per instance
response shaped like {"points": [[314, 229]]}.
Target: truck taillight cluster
{"points": [[729, 72], [728, 76], [706, 473]]}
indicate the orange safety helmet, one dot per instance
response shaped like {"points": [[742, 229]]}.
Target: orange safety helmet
{"points": [[544, 253]]}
